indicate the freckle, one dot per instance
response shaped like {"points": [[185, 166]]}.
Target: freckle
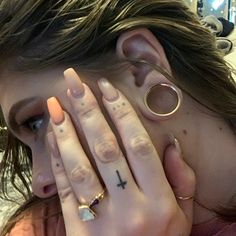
{"points": [[118, 106], [220, 128], [187, 113], [82, 104], [123, 104], [185, 132], [57, 164], [61, 130], [114, 108]]}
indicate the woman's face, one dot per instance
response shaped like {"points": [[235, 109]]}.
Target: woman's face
{"points": [[206, 140]]}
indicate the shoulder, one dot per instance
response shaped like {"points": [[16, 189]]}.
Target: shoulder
{"points": [[214, 227], [23, 227], [30, 224], [40, 222]]}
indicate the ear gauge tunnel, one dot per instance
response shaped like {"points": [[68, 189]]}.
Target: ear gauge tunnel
{"points": [[163, 100]]}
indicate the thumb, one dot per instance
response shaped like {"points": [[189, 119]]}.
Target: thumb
{"points": [[181, 178]]}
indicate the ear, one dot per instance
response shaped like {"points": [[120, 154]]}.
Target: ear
{"points": [[141, 44]]}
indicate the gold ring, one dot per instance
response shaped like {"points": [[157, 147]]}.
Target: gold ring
{"points": [[184, 198], [97, 199], [85, 211]]}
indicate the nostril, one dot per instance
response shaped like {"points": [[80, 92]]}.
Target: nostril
{"points": [[49, 189]]}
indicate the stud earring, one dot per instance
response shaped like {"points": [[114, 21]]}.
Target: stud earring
{"points": [[163, 100]]}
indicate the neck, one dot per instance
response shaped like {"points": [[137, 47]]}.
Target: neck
{"points": [[214, 165]]}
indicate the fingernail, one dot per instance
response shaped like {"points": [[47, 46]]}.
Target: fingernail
{"points": [[108, 91], [74, 83], [174, 141], [177, 146], [53, 145], [55, 111]]}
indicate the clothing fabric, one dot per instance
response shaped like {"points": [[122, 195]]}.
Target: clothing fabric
{"points": [[228, 27], [214, 227], [220, 28], [213, 24], [38, 223]]}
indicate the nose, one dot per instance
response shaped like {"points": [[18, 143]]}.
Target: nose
{"points": [[43, 181]]}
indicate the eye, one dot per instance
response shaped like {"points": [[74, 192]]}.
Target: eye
{"points": [[35, 123]]}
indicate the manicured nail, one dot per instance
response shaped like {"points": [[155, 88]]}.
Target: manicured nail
{"points": [[55, 111], [108, 91], [174, 141], [177, 146], [74, 83], [53, 145]]}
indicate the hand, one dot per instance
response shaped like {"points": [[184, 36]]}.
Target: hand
{"points": [[140, 197]]}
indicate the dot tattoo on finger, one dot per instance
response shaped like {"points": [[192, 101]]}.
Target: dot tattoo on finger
{"points": [[118, 106]]}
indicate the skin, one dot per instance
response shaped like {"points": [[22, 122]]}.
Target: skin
{"points": [[205, 139]]}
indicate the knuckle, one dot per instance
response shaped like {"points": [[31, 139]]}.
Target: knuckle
{"points": [[136, 225], [190, 182], [141, 145], [107, 150], [192, 179], [168, 213], [88, 111], [124, 114], [80, 174], [65, 193]]}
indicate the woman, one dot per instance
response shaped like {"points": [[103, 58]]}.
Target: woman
{"points": [[167, 101]]}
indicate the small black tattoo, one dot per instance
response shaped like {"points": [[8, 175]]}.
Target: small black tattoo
{"points": [[122, 183]]}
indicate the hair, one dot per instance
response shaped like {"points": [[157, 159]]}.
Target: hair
{"points": [[40, 34]]}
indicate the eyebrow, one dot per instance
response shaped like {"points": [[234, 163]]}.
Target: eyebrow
{"points": [[15, 108]]}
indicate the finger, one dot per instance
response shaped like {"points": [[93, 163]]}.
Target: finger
{"points": [[102, 142], [69, 203], [141, 153], [181, 178], [80, 173]]}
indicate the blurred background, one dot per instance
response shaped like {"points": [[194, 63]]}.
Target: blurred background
{"points": [[219, 8]]}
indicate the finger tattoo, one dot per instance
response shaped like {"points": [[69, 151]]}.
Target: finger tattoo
{"points": [[121, 183]]}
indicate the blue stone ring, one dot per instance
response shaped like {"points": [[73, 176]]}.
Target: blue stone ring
{"points": [[85, 211]]}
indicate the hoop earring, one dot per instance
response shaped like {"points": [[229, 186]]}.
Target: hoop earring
{"points": [[172, 89]]}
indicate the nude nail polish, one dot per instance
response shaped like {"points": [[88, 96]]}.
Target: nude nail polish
{"points": [[108, 91], [174, 141], [55, 111], [74, 83]]}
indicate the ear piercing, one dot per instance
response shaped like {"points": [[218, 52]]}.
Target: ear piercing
{"points": [[157, 90]]}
